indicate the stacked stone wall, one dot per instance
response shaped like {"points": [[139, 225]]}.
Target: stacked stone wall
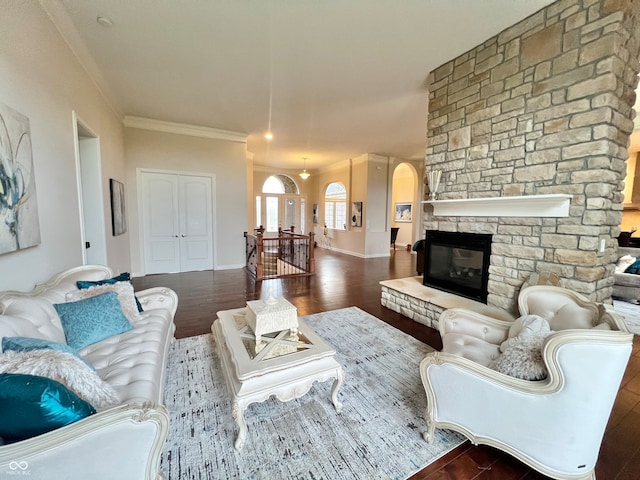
{"points": [[544, 107], [414, 308]]}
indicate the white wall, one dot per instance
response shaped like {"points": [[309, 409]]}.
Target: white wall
{"points": [[42, 79], [225, 160]]}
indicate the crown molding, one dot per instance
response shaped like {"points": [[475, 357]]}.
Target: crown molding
{"points": [[61, 21], [184, 129]]}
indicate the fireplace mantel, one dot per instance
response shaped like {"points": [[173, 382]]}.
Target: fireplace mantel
{"points": [[553, 205]]}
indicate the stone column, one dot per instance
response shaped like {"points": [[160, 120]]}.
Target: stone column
{"points": [[543, 107]]}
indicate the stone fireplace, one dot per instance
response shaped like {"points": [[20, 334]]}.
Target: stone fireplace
{"points": [[543, 108]]}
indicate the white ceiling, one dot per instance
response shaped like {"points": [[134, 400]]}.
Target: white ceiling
{"points": [[344, 77]]}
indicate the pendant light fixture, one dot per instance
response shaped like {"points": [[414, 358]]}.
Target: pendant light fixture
{"points": [[304, 174]]}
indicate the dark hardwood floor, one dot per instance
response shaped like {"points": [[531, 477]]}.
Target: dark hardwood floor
{"points": [[343, 281]]}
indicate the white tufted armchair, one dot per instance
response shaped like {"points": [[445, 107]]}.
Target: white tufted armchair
{"points": [[554, 425]]}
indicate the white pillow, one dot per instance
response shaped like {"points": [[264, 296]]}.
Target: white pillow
{"points": [[65, 368], [624, 262], [126, 297]]}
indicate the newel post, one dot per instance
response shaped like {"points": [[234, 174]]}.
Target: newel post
{"points": [[312, 257], [260, 260]]}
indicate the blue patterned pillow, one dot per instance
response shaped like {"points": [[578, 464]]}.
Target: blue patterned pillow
{"points": [[26, 344], [123, 277], [634, 267], [33, 405], [91, 320]]}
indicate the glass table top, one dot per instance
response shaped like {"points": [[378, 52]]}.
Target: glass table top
{"points": [[271, 345]]}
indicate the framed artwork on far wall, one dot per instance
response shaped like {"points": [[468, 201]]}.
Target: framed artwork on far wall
{"points": [[118, 212], [315, 213], [403, 212]]}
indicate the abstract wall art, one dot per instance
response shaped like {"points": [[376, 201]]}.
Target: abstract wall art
{"points": [[118, 212], [19, 222]]}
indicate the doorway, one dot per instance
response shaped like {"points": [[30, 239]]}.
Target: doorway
{"points": [[90, 198], [405, 207], [177, 222]]}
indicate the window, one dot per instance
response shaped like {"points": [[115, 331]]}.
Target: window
{"points": [[335, 206], [272, 214], [280, 184], [278, 203]]}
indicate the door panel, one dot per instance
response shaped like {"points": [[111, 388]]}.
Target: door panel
{"points": [[290, 214], [178, 222], [196, 223], [160, 222]]}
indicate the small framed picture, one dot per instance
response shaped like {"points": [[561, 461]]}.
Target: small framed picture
{"points": [[403, 212], [315, 213], [118, 212]]}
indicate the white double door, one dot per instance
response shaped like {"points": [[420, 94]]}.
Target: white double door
{"points": [[177, 222]]}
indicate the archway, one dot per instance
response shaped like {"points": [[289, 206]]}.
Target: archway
{"points": [[405, 209]]}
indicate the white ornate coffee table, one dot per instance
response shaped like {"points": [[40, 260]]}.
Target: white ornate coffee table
{"points": [[281, 364]]}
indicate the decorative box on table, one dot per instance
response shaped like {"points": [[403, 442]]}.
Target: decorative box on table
{"points": [[271, 315]]}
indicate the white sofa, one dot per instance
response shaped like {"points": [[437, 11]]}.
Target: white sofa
{"points": [[554, 424], [121, 442]]}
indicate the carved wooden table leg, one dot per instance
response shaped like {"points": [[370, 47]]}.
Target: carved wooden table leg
{"points": [[238, 416], [337, 384]]}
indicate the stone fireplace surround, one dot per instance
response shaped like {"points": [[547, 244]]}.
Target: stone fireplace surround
{"points": [[424, 304], [543, 108]]}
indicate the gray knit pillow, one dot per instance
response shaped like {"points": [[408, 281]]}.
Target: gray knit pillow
{"points": [[522, 359]]}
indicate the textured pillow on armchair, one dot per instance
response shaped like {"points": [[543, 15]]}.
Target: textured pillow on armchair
{"points": [[522, 352]]}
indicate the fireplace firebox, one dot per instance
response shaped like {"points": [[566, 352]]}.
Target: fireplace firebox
{"points": [[457, 263]]}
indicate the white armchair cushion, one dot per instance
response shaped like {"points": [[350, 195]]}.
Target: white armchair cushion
{"points": [[469, 346], [562, 308]]}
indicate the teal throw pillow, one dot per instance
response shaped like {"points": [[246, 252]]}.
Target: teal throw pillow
{"points": [[88, 321], [123, 277], [33, 405], [634, 267], [26, 344]]}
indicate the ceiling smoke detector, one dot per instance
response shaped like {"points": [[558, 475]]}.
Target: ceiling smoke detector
{"points": [[105, 22]]}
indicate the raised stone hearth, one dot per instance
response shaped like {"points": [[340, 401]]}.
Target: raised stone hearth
{"points": [[412, 299]]}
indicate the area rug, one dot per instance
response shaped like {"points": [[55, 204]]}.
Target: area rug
{"points": [[378, 434], [630, 312]]}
